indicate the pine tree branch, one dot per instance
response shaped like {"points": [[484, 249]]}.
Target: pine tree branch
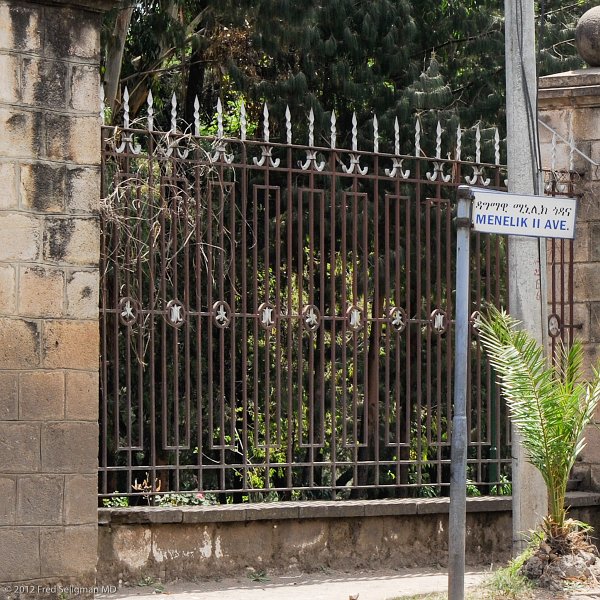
{"points": [[170, 69], [463, 40], [467, 86], [559, 10]]}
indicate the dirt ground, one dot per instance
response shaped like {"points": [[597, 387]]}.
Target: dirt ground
{"points": [[577, 594], [324, 585], [427, 584]]}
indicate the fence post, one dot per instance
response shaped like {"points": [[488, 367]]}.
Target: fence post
{"points": [[49, 251], [569, 108], [526, 256]]}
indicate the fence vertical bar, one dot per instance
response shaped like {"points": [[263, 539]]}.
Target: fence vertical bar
{"points": [[458, 469]]}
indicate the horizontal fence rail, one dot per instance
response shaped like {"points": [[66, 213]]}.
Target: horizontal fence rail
{"points": [[277, 319]]}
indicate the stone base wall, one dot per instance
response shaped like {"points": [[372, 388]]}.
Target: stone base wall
{"points": [[212, 542]]}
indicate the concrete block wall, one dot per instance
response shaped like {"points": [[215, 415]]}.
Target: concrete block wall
{"points": [[49, 252], [571, 102], [225, 540]]}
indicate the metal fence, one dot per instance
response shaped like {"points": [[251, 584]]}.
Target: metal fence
{"points": [[563, 178], [560, 264], [277, 319]]}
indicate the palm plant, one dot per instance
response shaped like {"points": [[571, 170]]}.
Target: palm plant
{"points": [[549, 404]]}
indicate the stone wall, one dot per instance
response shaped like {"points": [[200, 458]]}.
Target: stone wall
{"points": [[219, 541], [570, 102], [49, 250]]}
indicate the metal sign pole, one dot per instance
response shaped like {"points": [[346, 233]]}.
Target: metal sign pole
{"points": [[500, 213], [458, 466]]}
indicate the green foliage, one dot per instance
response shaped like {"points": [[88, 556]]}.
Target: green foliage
{"points": [[149, 581], [472, 489], [231, 121], [503, 488], [186, 499], [549, 404], [392, 58], [258, 576], [116, 501], [556, 34], [507, 583], [170, 499]]}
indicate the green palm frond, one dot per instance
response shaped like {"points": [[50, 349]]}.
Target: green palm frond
{"points": [[549, 404]]}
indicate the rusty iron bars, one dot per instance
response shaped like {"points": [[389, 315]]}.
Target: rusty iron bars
{"points": [[277, 318], [563, 178], [562, 322]]}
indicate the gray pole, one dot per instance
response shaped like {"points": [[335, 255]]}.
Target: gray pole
{"points": [[526, 256], [458, 464]]}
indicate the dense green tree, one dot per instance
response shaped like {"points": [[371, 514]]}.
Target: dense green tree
{"points": [[389, 57], [175, 46]]}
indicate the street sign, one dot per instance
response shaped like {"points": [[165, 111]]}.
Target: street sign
{"points": [[485, 211], [517, 214]]}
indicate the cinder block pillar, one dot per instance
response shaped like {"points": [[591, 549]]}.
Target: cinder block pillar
{"points": [[570, 104], [49, 251]]}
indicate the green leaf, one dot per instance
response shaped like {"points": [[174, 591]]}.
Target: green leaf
{"points": [[549, 404]]}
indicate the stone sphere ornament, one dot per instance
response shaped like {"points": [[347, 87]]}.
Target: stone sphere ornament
{"points": [[587, 37]]}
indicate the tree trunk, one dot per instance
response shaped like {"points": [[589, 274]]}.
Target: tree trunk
{"points": [[195, 84], [114, 58]]}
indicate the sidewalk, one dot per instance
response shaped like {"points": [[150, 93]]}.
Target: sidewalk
{"points": [[330, 585]]}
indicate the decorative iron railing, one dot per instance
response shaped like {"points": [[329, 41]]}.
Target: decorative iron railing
{"points": [[277, 319]]}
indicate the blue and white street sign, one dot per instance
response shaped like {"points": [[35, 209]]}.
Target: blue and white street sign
{"points": [[517, 214]]}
